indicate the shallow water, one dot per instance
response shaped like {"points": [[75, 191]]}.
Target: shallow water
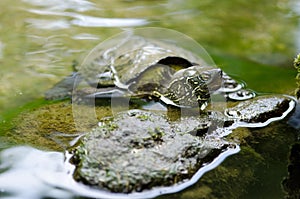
{"points": [[40, 40]]}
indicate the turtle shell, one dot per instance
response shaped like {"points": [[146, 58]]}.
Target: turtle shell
{"points": [[119, 61]]}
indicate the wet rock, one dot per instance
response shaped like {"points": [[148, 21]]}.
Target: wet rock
{"points": [[261, 109], [140, 150]]}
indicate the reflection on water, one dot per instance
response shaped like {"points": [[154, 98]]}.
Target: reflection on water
{"points": [[85, 36], [77, 5], [105, 22], [48, 24], [89, 21]]}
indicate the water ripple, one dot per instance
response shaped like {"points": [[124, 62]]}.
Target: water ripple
{"points": [[85, 36], [77, 5], [48, 24], [90, 21]]}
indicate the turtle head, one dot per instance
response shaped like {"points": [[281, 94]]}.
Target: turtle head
{"points": [[212, 78], [200, 76]]}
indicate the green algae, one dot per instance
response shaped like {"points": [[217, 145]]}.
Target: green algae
{"points": [[50, 126]]}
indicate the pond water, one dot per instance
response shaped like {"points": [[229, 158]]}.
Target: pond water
{"points": [[40, 41]]}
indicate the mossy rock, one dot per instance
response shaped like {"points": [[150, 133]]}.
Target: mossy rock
{"points": [[52, 126]]}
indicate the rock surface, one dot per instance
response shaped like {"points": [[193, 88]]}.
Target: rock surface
{"points": [[139, 150]]}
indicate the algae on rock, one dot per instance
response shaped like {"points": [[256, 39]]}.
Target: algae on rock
{"points": [[52, 126], [139, 150]]}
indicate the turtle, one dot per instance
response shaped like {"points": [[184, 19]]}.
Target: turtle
{"points": [[147, 68]]}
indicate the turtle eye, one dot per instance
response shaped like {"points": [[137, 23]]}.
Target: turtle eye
{"points": [[206, 76]]}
